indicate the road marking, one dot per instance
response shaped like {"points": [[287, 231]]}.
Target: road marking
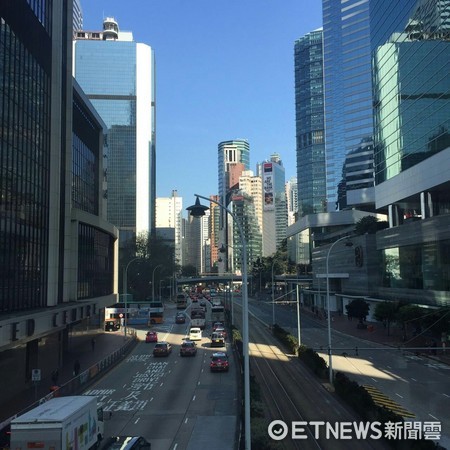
{"points": [[123, 387], [398, 395], [137, 420], [435, 418], [161, 384], [193, 398], [151, 399], [389, 367], [384, 401], [186, 420], [175, 447], [198, 383], [413, 379], [446, 395], [376, 381]]}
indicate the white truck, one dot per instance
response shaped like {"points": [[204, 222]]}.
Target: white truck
{"points": [[62, 423]]}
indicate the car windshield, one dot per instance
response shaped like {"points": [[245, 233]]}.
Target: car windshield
{"points": [[219, 358]]}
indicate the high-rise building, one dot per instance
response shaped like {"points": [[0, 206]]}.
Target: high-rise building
{"points": [[58, 252], [168, 215], [411, 55], [77, 15], [309, 123], [230, 154], [233, 159], [291, 200], [118, 76], [274, 209], [348, 106]]}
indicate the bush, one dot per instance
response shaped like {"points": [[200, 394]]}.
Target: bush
{"points": [[288, 340], [315, 362]]}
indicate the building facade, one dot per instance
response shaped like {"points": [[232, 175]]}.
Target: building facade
{"points": [[272, 173], [169, 212], [292, 200], [309, 123], [348, 105], [59, 254], [118, 76]]}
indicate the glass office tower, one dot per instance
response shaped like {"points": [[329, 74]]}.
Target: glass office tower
{"points": [[117, 74], [348, 105], [309, 121], [411, 67]]}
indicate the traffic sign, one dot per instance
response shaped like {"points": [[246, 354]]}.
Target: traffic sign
{"points": [[36, 375]]}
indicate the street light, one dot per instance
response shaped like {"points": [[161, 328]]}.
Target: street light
{"points": [[125, 293], [198, 210], [153, 282], [330, 367], [273, 297]]}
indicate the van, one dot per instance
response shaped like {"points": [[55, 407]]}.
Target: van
{"points": [[195, 334]]}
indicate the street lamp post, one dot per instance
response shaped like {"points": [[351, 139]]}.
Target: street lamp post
{"points": [[330, 367], [198, 210], [125, 294], [273, 296], [153, 282]]}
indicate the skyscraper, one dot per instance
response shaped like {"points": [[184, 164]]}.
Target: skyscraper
{"points": [[309, 122], [169, 215], [274, 209], [411, 55], [348, 105], [118, 76], [58, 253]]}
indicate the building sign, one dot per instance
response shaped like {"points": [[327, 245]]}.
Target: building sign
{"points": [[268, 187]]}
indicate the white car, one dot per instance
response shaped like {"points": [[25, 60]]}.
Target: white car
{"points": [[195, 334]]}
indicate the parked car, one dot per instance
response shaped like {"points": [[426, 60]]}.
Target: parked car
{"points": [[180, 318], [217, 339], [112, 325], [151, 336], [162, 349], [195, 334], [219, 362], [188, 348]]}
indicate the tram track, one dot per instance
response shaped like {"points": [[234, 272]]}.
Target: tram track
{"points": [[292, 394]]}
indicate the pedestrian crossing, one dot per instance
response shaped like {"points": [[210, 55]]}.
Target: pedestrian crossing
{"points": [[381, 399]]}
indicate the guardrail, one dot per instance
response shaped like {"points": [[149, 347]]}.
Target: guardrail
{"points": [[79, 383]]}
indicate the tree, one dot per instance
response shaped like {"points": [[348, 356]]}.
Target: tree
{"points": [[369, 225], [358, 308], [410, 314], [149, 252], [386, 312]]}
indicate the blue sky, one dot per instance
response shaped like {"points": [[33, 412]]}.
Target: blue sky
{"points": [[224, 70]]}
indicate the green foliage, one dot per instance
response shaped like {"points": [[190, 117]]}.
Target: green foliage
{"points": [[188, 271], [369, 225], [289, 341], [141, 255], [386, 312], [358, 308], [315, 362]]}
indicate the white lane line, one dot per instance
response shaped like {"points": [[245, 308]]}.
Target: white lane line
{"points": [[193, 398], [398, 395], [186, 420], [435, 418], [413, 379], [151, 399], [137, 420], [448, 396], [175, 447], [161, 384], [376, 381]]}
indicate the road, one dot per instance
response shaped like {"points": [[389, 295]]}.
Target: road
{"points": [[292, 394], [174, 402], [420, 387]]}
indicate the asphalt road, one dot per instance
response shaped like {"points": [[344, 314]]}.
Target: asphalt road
{"points": [[174, 402], [420, 387]]}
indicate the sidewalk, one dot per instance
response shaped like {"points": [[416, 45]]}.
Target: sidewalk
{"points": [[81, 350], [375, 332]]}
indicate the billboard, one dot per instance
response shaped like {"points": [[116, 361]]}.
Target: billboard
{"points": [[268, 187]]}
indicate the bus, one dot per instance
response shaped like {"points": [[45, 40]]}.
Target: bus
{"points": [[198, 318], [181, 301], [156, 312], [136, 314]]}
